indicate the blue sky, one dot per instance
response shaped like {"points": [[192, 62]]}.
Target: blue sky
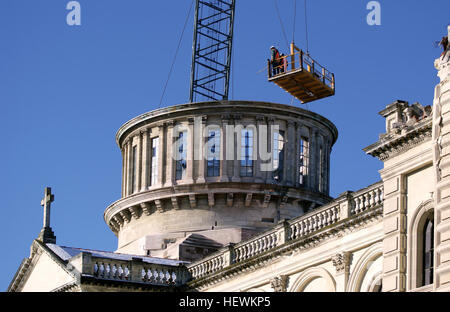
{"points": [[65, 90]]}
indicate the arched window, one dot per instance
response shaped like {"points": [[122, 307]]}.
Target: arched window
{"points": [[428, 251]]}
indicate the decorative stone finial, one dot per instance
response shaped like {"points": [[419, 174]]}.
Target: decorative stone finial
{"points": [[46, 235]]}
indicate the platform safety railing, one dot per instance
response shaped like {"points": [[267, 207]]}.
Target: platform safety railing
{"points": [[299, 61]]}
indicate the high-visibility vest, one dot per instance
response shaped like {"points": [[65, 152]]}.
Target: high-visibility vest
{"points": [[277, 55]]}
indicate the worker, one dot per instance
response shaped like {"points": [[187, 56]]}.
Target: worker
{"points": [[275, 60], [283, 63]]}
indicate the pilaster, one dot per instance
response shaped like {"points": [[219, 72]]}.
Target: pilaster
{"points": [[270, 133], [170, 162], [313, 166], [129, 167], [394, 241], [260, 124], [123, 171], [139, 163], [190, 153], [200, 139], [223, 151], [161, 155], [144, 160], [289, 154], [236, 160], [441, 161]]}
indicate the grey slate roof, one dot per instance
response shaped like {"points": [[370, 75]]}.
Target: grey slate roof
{"points": [[65, 253]]}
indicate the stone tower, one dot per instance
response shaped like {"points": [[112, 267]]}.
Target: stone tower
{"points": [[441, 150], [200, 176]]}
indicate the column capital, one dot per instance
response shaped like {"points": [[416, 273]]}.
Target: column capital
{"points": [[279, 283], [341, 261]]}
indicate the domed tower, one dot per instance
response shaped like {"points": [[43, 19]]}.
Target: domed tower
{"points": [[199, 176]]}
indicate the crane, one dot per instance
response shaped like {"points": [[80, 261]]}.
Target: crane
{"points": [[212, 49]]}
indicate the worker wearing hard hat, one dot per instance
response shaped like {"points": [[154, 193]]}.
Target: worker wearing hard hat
{"points": [[275, 60]]}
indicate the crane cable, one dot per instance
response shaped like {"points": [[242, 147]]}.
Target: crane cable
{"points": [[295, 17], [281, 23], [176, 53], [306, 30]]}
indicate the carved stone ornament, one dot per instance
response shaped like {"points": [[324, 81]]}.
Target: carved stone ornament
{"points": [[279, 283], [341, 261]]}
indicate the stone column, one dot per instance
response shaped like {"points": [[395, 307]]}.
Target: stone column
{"points": [[313, 166], [144, 160], [270, 133], [139, 163], [394, 241], [326, 164], [161, 155], [201, 150], [190, 153], [169, 163], [296, 167], [260, 135], [441, 162], [129, 160], [123, 170], [237, 143], [329, 149]]}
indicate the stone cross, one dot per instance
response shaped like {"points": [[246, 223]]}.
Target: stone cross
{"points": [[46, 202]]}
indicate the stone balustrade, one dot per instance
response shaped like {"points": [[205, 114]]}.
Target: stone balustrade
{"points": [[346, 206], [136, 270], [255, 246], [367, 198], [111, 270], [208, 265], [314, 222]]}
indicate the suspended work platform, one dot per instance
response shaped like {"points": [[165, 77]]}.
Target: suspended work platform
{"points": [[301, 76]]}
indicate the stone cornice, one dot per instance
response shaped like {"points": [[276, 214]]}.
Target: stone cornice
{"points": [[69, 287], [87, 280], [394, 144], [19, 276], [133, 204], [218, 108], [37, 248]]}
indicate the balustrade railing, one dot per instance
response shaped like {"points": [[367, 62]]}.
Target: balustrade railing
{"points": [[314, 222], [135, 271], [367, 199], [111, 270], [300, 60], [334, 212], [255, 246], [208, 266]]}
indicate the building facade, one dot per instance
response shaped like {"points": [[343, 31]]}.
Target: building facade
{"points": [[234, 196]]}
